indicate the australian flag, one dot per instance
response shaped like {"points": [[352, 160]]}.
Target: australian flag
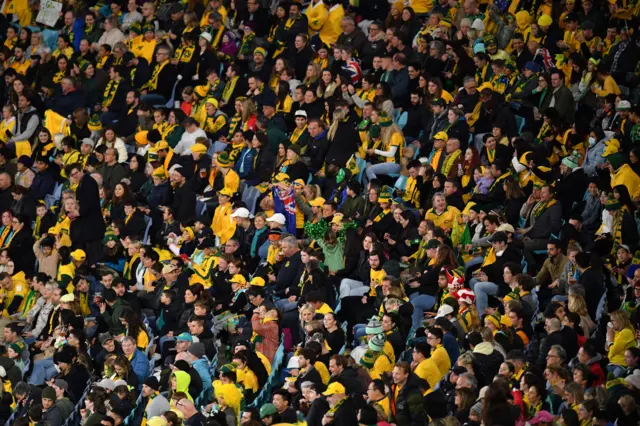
{"points": [[287, 206]]}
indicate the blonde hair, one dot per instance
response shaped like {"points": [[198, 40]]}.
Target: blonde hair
{"points": [[577, 305], [248, 109], [475, 317], [317, 71], [307, 307], [623, 319]]}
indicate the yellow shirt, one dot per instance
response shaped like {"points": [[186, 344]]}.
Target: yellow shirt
{"points": [[7, 125], [444, 220], [144, 49], [324, 309], [429, 371], [202, 272], [624, 339], [376, 278], [421, 6], [19, 288], [143, 340], [323, 371], [381, 366], [316, 15], [248, 379], [441, 358], [332, 28]]}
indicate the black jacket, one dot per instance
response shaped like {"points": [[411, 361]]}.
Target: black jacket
{"points": [[317, 151], [166, 80], [593, 283], [344, 143], [488, 363], [184, 201], [494, 271], [21, 250], [90, 223], [409, 409], [316, 412], [346, 414], [263, 164]]}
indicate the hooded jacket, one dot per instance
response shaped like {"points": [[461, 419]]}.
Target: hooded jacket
{"points": [[488, 359], [183, 380]]}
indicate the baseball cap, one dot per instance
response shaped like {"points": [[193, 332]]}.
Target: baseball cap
{"points": [[506, 227], [184, 337], [105, 337], [444, 310], [334, 388], [241, 212], [78, 255], [267, 410], [278, 218]]}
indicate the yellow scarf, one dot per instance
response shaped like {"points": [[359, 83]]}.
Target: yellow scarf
{"points": [[229, 88], [110, 93], [449, 160], [153, 82], [542, 207]]}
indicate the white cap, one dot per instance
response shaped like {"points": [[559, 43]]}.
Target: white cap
{"points": [[278, 218], [506, 227], [88, 141], [293, 363], [206, 36], [301, 113], [423, 160], [241, 212], [478, 25], [175, 168], [107, 384], [444, 310]]}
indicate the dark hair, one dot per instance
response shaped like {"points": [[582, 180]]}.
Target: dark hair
{"points": [[378, 384], [423, 348], [437, 332], [309, 354]]}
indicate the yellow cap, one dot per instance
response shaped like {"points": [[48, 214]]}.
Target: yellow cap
{"points": [[505, 320], [78, 255], [238, 279], [441, 136], [226, 191], [257, 281], [337, 219], [141, 138], [299, 182], [334, 388], [157, 421], [199, 149], [159, 172], [317, 202], [545, 20], [161, 145], [281, 177], [53, 231]]}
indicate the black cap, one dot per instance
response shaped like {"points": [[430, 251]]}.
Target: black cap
{"points": [[499, 237], [587, 25], [208, 242], [120, 410], [458, 370], [433, 244]]}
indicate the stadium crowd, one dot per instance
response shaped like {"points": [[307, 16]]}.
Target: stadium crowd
{"points": [[262, 212]]}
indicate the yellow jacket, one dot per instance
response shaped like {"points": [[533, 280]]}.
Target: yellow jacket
{"points": [[332, 26], [624, 340], [316, 15], [608, 87], [223, 226], [627, 177]]}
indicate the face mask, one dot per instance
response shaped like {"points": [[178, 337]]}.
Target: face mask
{"points": [[592, 141], [517, 166]]}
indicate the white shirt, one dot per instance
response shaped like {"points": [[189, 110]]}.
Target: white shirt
{"points": [[187, 141]]}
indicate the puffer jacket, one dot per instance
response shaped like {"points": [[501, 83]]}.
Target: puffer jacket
{"points": [[488, 360], [409, 408]]}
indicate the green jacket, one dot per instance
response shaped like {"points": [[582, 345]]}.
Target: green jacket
{"points": [[352, 205], [112, 317]]}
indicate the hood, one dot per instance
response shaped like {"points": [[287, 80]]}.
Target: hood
{"points": [[183, 380], [523, 20], [30, 109], [484, 348], [595, 360]]}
